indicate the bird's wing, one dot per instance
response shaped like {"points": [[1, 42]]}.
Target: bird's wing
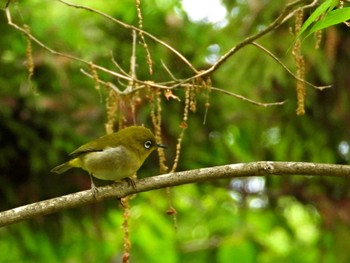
{"points": [[97, 145], [84, 149]]}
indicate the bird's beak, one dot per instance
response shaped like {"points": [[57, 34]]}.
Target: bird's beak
{"points": [[161, 146]]}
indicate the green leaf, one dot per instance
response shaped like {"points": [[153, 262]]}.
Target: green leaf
{"points": [[334, 17], [323, 8]]}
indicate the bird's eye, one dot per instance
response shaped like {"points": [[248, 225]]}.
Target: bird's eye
{"points": [[147, 144]]}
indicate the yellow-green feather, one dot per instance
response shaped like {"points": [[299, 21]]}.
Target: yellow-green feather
{"points": [[122, 164]]}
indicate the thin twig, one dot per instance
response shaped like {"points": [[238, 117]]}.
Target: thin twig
{"points": [[144, 85], [167, 70], [172, 84], [133, 77], [118, 66], [127, 26], [25, 32], [281, 19], [57, 53], [287, 69], [133, 56], [149, 84], [246, 99], [37, 41], [291, 14]]}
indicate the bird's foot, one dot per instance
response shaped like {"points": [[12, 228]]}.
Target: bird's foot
{"points": [[94, 190], [93, 187], [131, 182]]}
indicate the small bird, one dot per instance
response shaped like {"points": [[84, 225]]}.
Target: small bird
{"points": [[113, 156]]}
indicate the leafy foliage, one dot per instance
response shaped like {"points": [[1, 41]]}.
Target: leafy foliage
{"points": [[266, 220], [324, 16]]}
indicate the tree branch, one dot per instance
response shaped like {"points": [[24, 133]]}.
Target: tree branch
{"points": [[118, 190], [286, 14], [127, 26]]}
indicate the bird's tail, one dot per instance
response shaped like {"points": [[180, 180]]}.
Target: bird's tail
{"points": [[61, 168]]}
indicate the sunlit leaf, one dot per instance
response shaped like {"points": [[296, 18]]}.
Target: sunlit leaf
{"points": [[334, 17], [323, 8]]}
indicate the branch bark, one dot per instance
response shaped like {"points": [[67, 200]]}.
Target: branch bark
{"points": [[118, 190]]}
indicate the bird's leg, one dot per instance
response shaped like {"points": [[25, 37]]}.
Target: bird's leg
{"points": [[93, 186]]}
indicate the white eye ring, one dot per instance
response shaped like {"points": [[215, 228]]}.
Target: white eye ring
{"points": [[148, 144]]}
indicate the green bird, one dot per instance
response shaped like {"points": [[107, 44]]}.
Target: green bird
{"points": [[113, 156]]}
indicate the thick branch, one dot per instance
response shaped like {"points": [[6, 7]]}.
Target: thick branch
{"points": [[119, 190]]}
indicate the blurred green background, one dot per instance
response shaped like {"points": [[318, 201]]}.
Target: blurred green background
{"points": [[275, 219]]}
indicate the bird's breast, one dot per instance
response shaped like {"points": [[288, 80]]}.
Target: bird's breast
{"points": [[112, 163]]}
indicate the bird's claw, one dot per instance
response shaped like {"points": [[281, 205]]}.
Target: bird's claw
{"points": [[131, 182], [94, 190]]}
